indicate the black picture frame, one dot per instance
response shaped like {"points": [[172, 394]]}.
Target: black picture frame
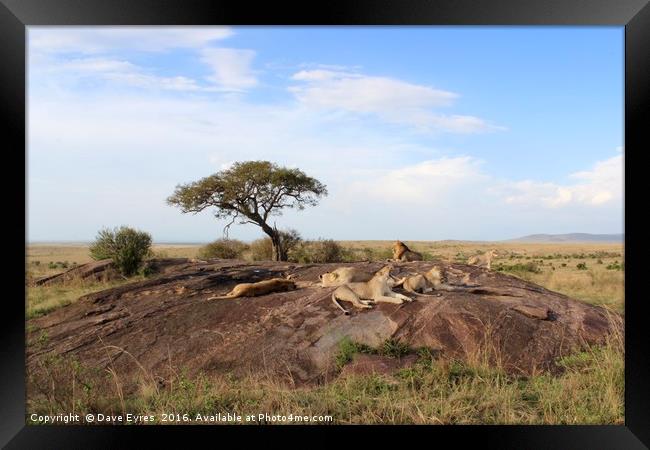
{"points": [[16, 15]]}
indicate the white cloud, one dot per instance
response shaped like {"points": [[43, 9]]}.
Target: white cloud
{"points": [[360, 93], [426, 183], [141, 146], [391, 100], [97, 39], [231, 67], [88, 52], [601, 185], [110, 70], [435, 182]]}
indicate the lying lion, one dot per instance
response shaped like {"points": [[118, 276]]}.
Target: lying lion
{"points": [[362, 294], [344, 275], [260, 288], [434, 279]]}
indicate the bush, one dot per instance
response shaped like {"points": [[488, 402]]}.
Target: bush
{"points": [[320, 251], [58, 265], [616, 266], [223, 249], [518, 267], [125, 246], [262, 249], [581, 266], [290, 239]]}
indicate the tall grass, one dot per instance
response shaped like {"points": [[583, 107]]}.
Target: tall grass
{"points": [[432, 391], [44, 299]]}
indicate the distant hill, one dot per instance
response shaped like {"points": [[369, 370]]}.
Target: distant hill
{"points": [[571, 237]]}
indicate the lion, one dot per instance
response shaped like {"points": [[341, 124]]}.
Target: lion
{"points": [[402, 253], [344, 275], [484, 260], [435, 279], [260, 288], [425, 282], [375, 290]]}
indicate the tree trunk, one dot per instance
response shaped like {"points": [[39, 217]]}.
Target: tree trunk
{"points": [[279, 252]]}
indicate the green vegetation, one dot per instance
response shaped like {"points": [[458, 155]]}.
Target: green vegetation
{"points": [[616, 266], [261, 249], [391, 347], [125, 246], [431, 391], [251, 192], [320, 251], [44, 299], [223, 249], [531, 267]]}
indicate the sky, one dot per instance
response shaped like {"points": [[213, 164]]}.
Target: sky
{"points": [[419, 133]]}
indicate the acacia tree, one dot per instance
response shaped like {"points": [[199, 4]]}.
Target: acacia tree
{"points": [[251, 192]]}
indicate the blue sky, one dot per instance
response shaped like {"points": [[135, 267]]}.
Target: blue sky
{"points": [[487, 132]]}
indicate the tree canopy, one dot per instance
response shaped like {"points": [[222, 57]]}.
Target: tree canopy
{"points": [[251, 192]]}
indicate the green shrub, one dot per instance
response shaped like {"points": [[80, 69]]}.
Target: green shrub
{"points": [[348, 348], [223, 249], [126, 246], [394, 348], [581, 266], [262, 249], [616, 266], [390, 347], [426, 256], [320, 251], [518, 267], [290, 239]]}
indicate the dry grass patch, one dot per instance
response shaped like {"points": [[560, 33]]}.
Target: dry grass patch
{"points": [[433, 391]]}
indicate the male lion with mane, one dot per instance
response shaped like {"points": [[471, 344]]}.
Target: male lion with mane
{"points": [[402, 253]]}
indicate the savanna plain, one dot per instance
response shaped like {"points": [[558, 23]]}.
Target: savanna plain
{"points": [[589, 389]]}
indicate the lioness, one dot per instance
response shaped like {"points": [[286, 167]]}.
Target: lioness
{"points": [[425, 282], [260, 288], [435, 279], [402, 253], [484, 260], [377, 289], [344, 275]]}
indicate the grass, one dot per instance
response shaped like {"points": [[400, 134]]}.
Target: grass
{"points": [[589, 391], [554, 266], [44, 260], [44, 299]]}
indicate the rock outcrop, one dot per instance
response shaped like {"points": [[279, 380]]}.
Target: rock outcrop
{"points": [[166, 322]]}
